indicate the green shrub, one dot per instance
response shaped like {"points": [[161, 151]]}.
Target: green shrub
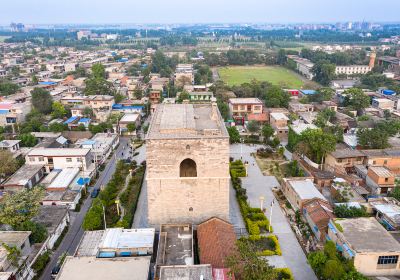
{"points": [[284, 273], [252, 227], [266, 253]]}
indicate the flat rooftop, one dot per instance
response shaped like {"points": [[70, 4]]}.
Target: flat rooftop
{"points": [[368, 235], [301, 127], [83, 268], [128, 238], [51, 216], [174, 121], [305, 189], [381, 171], [184, 272], [15, 238], [64, 178], [58, 152], [238, 101], [23, 175], [176, 245]]}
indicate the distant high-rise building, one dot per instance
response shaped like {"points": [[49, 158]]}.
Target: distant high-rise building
{"points": [[17, 27]]}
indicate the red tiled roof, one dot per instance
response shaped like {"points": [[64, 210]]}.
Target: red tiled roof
{"points": [[257, 117], [216, 240], [318, 210]]}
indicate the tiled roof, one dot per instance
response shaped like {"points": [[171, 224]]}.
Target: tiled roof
{"points": [[216, 239], [318, 210]]}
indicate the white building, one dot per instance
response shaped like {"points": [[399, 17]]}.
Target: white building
{"points": [[54, 158]]}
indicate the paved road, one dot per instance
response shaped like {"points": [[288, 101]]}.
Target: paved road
{"points": [[258, 185], [75, 232], [215, 74]]}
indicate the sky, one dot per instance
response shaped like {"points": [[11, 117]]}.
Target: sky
{"points": [[194, 11]]}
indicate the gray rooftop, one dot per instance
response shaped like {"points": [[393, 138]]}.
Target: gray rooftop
{"points": [[173, 121], [23, 175], [176, 245], [83, 268], [14, 238], [185, 272], [368, 235], [51, 216]]}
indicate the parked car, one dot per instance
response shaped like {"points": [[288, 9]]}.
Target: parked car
{"points": [[55, 270], [94, 193]]}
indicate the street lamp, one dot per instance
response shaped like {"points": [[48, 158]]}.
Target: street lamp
{"points": [[241, 148], [261, 203]]}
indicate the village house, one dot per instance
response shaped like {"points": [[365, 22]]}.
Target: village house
{"points": [[25, 177], [300, 190], [55, 219], [343, 160], [380, 180], [54, 158], [375, 252], [318, 213], [241, 108], [387, 211], [279, 122]]}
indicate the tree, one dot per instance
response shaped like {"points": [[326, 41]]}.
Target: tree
{"points": [[184, 95], [8, 164], [58, 110], [131, 127], [317, 143], [323, 117], [223, 109], [253, 126], [356, 99], [94, 217], [138, 93], [245, 264], [8, 88], [374, 138], [98, 71], [88, 112], [317, 261], [58, 127], [322, 94], [281, 58], [13, 254], [35, 80], [21, 206], [234, 136], [276, 98], [38, 231], [324, 72], [267, 132], [344, 211], [42, 100], [333, 269], [396, 192], [27, 140]]}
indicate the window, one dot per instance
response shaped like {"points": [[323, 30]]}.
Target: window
{"points": [[31, 159], [385, 260], [188, 168], [386, 179], [79, 159], [374, 162], [68, 159], [41, 159], [385, 161]]}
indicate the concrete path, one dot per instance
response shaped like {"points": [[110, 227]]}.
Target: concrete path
{"points": [[258, 185]]}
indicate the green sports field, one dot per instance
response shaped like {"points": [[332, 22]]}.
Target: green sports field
{"points": [[276, 75]]}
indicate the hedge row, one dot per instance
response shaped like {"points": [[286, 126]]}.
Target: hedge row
{"points": [[254, 218]]}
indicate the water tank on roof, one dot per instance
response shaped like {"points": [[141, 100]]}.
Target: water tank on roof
{"points": [[388, 92]]}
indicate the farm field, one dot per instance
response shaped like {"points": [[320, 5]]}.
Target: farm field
{"points": [[276, 75]]}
